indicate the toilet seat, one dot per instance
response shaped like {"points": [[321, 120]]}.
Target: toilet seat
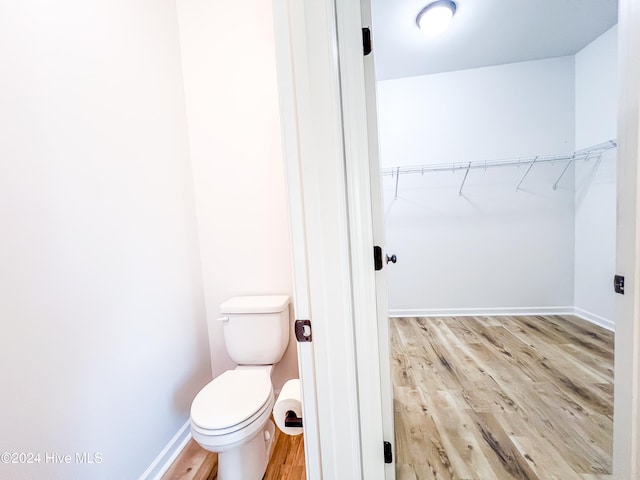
{"points": [[231, 401]]}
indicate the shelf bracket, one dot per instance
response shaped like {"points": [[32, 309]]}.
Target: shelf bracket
{"points": [[573, 159], [395, 195], [464, 179], [526, 173]]}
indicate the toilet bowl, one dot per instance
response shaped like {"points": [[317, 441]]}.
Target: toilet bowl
{"points": [[230, 415]]}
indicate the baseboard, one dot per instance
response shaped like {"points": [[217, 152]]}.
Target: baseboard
{"points": [[168, 454], [501, 311], [595, 319], [481, 312]]}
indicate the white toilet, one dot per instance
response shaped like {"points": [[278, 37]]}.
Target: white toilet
{"points": [[230, 415]]}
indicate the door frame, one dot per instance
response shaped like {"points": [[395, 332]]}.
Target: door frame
{"points": [[323, 91], [357, 108], [293, 176], [626, 461], [379, 239], [323, 109]]}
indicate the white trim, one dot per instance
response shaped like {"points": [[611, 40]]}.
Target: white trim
{"points": [[505, 311], [358, 179], [595, 319], [377, 219], [169, 453], [485, 312], [284, 15], [626, 404], [318, 173]]}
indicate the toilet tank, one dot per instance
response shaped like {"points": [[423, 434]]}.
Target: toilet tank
{"points": [[256, 328]]}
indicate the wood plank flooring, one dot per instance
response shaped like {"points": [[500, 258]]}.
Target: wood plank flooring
{"points": [[286, 462], [485, 398], [482, 398]]}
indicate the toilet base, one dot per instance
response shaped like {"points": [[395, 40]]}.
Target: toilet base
{"points": [[248, 461]]}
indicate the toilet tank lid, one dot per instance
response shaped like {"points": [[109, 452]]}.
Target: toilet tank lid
{"points": [[255, 304]]}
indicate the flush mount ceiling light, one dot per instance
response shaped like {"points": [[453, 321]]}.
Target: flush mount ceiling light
{"points": [[435, 17]]}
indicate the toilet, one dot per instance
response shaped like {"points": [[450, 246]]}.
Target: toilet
{"points": [[230, 415]]}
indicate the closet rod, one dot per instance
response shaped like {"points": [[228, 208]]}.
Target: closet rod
{"points": [[583, 154]]}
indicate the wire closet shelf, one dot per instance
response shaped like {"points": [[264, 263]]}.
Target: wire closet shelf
{"points": [[593, 152]]}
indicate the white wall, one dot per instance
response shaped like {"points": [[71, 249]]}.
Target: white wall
{"points": [[229, 64], [493, 247], [596, 94], [103, 341]]}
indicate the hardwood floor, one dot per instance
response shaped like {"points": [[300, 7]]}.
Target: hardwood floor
{"points": [[193, 463], [486, 398], [286, 462]]}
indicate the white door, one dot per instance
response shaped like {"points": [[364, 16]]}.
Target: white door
{"points": [[377, 213], [324, 115], [301, 299], [366, 230], [626, 461]]}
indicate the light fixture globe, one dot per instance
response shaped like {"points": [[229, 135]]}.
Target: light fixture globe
{"points": [[435, 17]]}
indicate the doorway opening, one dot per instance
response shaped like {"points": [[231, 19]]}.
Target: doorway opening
{"points": [[498, 178]]}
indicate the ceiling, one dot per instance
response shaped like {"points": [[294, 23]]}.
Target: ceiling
{"points": [[484, 33]]}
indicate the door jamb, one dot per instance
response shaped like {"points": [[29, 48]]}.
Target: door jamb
{"points": [[301, 302], [326, 242], [626, 460]]}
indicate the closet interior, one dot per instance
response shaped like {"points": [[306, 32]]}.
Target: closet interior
{"points": [[499, 187], [536, 235]]}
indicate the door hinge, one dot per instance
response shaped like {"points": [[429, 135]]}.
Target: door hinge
{"points": [[377, 257], [388, 453], [303, 330], [618, 284], [366, 40]]}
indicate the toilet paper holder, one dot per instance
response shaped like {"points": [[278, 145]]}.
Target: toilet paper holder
{"points": [[292, 420]]}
